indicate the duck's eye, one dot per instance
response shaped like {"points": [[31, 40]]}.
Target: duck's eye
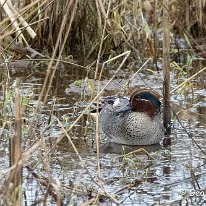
{"points": [[137, 97]]}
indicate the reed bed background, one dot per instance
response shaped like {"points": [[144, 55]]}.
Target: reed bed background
{"points": [[85, 34]]}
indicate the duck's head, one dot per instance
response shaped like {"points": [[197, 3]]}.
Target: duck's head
{"points": [[145, 100]]}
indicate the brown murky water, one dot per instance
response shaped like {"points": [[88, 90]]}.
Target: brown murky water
{"points": [[175, 176]]}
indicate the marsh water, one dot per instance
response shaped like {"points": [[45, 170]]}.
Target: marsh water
{"points": [[175, 175]]}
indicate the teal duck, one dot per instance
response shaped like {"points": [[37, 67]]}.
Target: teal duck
{"points": [[134, 121]]}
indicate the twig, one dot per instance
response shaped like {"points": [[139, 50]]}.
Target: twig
{"points": [[22, 20], [187, 80], [47, 183]]}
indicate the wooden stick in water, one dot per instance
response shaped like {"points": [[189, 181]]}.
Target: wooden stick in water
{"points": [[16, 152], [166, 63]]}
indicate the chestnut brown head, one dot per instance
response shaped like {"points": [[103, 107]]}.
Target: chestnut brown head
{"points": [[145, 100]]}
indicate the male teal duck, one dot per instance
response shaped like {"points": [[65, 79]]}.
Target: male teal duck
{"points": [[138, 122]]}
